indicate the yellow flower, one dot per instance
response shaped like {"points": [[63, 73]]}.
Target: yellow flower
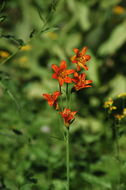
{"points": [[108, 103], [4, 54], [112, 108], [26, 48], [119, 116], [118, 10], [124, 112], [121, 95]]}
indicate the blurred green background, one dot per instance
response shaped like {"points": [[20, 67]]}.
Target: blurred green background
{"points": [[32, 150]]}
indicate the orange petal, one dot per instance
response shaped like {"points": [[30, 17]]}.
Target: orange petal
{"points": [[70, 71], [76, 50], [83, 51], [55, 68], [73, 59], [56, 94], [63, 65], [67, 80], [54, 76], [61, 81], [46, 96], [87, 57], [86, 86], [78, 68], [73, 113], [88, 81], [76, 74], [83, 76], [85, 67]]}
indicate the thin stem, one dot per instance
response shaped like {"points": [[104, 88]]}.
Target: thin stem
{"points": [[67, 95], [118, 153], [68, 160], [61, 99]]}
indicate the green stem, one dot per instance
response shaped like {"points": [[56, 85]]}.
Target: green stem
{"points": [[61, 99], [117, 154], [67, 95], [68, 160]]}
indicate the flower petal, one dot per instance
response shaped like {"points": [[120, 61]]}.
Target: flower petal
{"points": [[83, 76], [87, 57], [56, 95], [63, 65], [86, 86], [88, 81], [61, 81], [76, 74], [83, 51], [76, 50], [55, 68], [78, 68], [70, 71], [85, 67], [73, 59], [67, 80], [47, 96], [54, 76]]}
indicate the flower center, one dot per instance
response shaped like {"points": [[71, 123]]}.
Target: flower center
{"points": [[62, 74], [81, 59]]}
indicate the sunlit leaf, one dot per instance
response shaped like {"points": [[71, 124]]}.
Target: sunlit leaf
{"points": [[115, 41], [95, 180]]}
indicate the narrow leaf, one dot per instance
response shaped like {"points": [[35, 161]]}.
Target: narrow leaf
{"points": [[32, 33], [17, 132], [2, 18], [2, 6]]}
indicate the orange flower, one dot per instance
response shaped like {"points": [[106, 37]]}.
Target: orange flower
{"points": [[80, 81], [68, 116], [80, 58], [61, 73], [52, 99]]}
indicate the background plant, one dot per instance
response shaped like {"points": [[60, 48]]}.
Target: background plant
{"points": [[35, 158]]}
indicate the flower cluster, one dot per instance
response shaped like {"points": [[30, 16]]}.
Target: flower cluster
{"points": [[65, 75], [116, 108]]}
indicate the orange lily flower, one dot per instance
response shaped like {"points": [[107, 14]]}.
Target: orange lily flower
{"points": [[68, 116], [61, 73], [52, 99], [80, 58], [80, 81]]}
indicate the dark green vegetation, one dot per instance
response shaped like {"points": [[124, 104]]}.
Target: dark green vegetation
{"points": [[32, 150]]}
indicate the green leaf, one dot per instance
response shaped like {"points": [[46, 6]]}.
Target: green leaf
{"points": [[11, 37], [118, 85], [4, 75], [83, 13], [10, 184], [93, 70], [2, 6], [115, 41], [50, 29], [95, 180], [11, 95], [26, 187], [17, 132], [107, 4], [2, 18], [33, 32]]}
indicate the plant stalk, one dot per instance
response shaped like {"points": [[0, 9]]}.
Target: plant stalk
{"points": [[68, 159]]}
